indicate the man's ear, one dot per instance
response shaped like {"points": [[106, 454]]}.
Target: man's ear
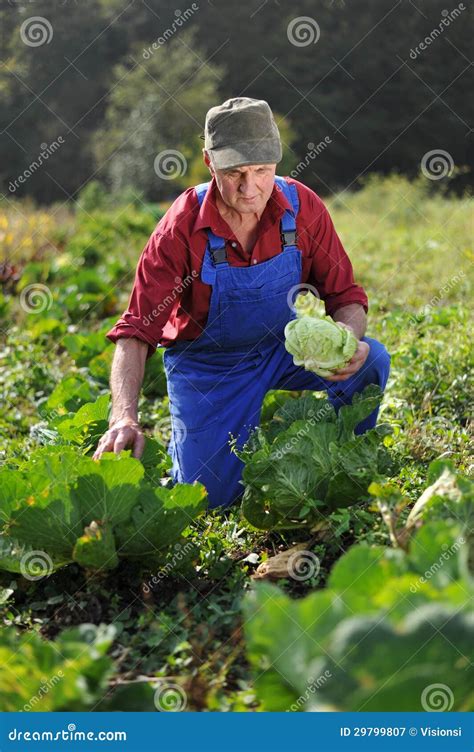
{"points": [[207, 161]]}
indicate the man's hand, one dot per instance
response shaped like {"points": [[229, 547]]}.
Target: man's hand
{"points": [[126, 378], [121, 435], [356, 362]]}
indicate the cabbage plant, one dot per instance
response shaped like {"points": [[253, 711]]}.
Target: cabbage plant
{"points": [[60, 507], [308, 462]]}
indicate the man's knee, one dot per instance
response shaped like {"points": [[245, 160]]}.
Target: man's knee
{"points": [[378, 360], [218, 470]]}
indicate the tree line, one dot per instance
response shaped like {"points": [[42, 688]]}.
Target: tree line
{"points": [[123, 88]]}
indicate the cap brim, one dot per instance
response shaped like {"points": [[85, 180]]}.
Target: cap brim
{"points": [[248, 153]]}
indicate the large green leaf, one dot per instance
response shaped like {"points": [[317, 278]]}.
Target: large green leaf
{"points": [[362, 405], [21, 558], [108, 492], [159, 518], [84, 346], [79, 508], [156, 461], [436, 550], [313, 653], [369, 578], [13, 488], [95, 549], [360, 574], [53, 528], [344, 490], [389, 624], [70, 394], [285, 641], [50, 471], [256, 511], [86, 425], [375, 666], [308, 408]]}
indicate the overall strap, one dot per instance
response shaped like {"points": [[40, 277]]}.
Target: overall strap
{"points": [[215, 245], [288, 220], [201, 191]]}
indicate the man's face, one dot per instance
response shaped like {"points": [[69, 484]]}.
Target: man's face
{"points": [[245, 189]]}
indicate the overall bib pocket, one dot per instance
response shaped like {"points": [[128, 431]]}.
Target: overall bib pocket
{"points": [[249, 319]]}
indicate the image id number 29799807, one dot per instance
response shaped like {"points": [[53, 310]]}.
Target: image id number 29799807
{"points": [[373, 731]]}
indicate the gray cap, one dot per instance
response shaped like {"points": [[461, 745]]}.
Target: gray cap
{"points": [[242, 131]]}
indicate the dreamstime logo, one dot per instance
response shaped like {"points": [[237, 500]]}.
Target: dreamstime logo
{"points": [[35, 565], [300, 289], [47, 150], [312, 420], [45, 686], [181, 283], [437, 299], [36, 31], [437, 565], [312, 688], [170, 164], [36, 298], [170, 698], [437, 164], [302, 565], [314, 151], [181, 18], [303, 31], [180, 552], [447, 18], [437, 698]]}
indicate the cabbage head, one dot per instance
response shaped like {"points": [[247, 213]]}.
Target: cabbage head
{"points": [[315, 340]]}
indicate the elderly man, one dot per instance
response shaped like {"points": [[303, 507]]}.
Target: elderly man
{"points": [[213, 286]]}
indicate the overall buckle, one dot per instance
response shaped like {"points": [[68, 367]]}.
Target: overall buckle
{"points": [[219, 255], [288, 237]]}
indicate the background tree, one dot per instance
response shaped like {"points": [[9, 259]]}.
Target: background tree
{"points": [[329, 68], [51, 90], [155, 114]]}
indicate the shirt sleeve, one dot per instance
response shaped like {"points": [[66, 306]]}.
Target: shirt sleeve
{"points": [[331, 270], [156, 291]]}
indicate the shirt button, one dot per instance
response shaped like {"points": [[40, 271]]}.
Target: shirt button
{"points": [[234, 244], [254, 261]]}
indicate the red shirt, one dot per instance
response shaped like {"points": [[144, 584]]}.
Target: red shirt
{"points": [[169, 302]]}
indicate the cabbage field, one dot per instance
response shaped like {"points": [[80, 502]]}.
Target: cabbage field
{"points": [[342, 582]]}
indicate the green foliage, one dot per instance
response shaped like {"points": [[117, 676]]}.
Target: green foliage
{"points": [[69, 395], [399, 235], [92, 197], [71, 508], [69, 93], [68, 674], [125, 100], [389, 624], [308, 461], [85, 427], [139, 103]]}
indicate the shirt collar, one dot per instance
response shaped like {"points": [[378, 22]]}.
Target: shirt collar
{"points": [[209, 216]]}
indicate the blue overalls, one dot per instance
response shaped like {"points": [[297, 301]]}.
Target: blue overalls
{"points": [[217, 383]]}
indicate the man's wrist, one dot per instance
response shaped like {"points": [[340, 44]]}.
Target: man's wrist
{"points": [[124, 420], [351, 328]]}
